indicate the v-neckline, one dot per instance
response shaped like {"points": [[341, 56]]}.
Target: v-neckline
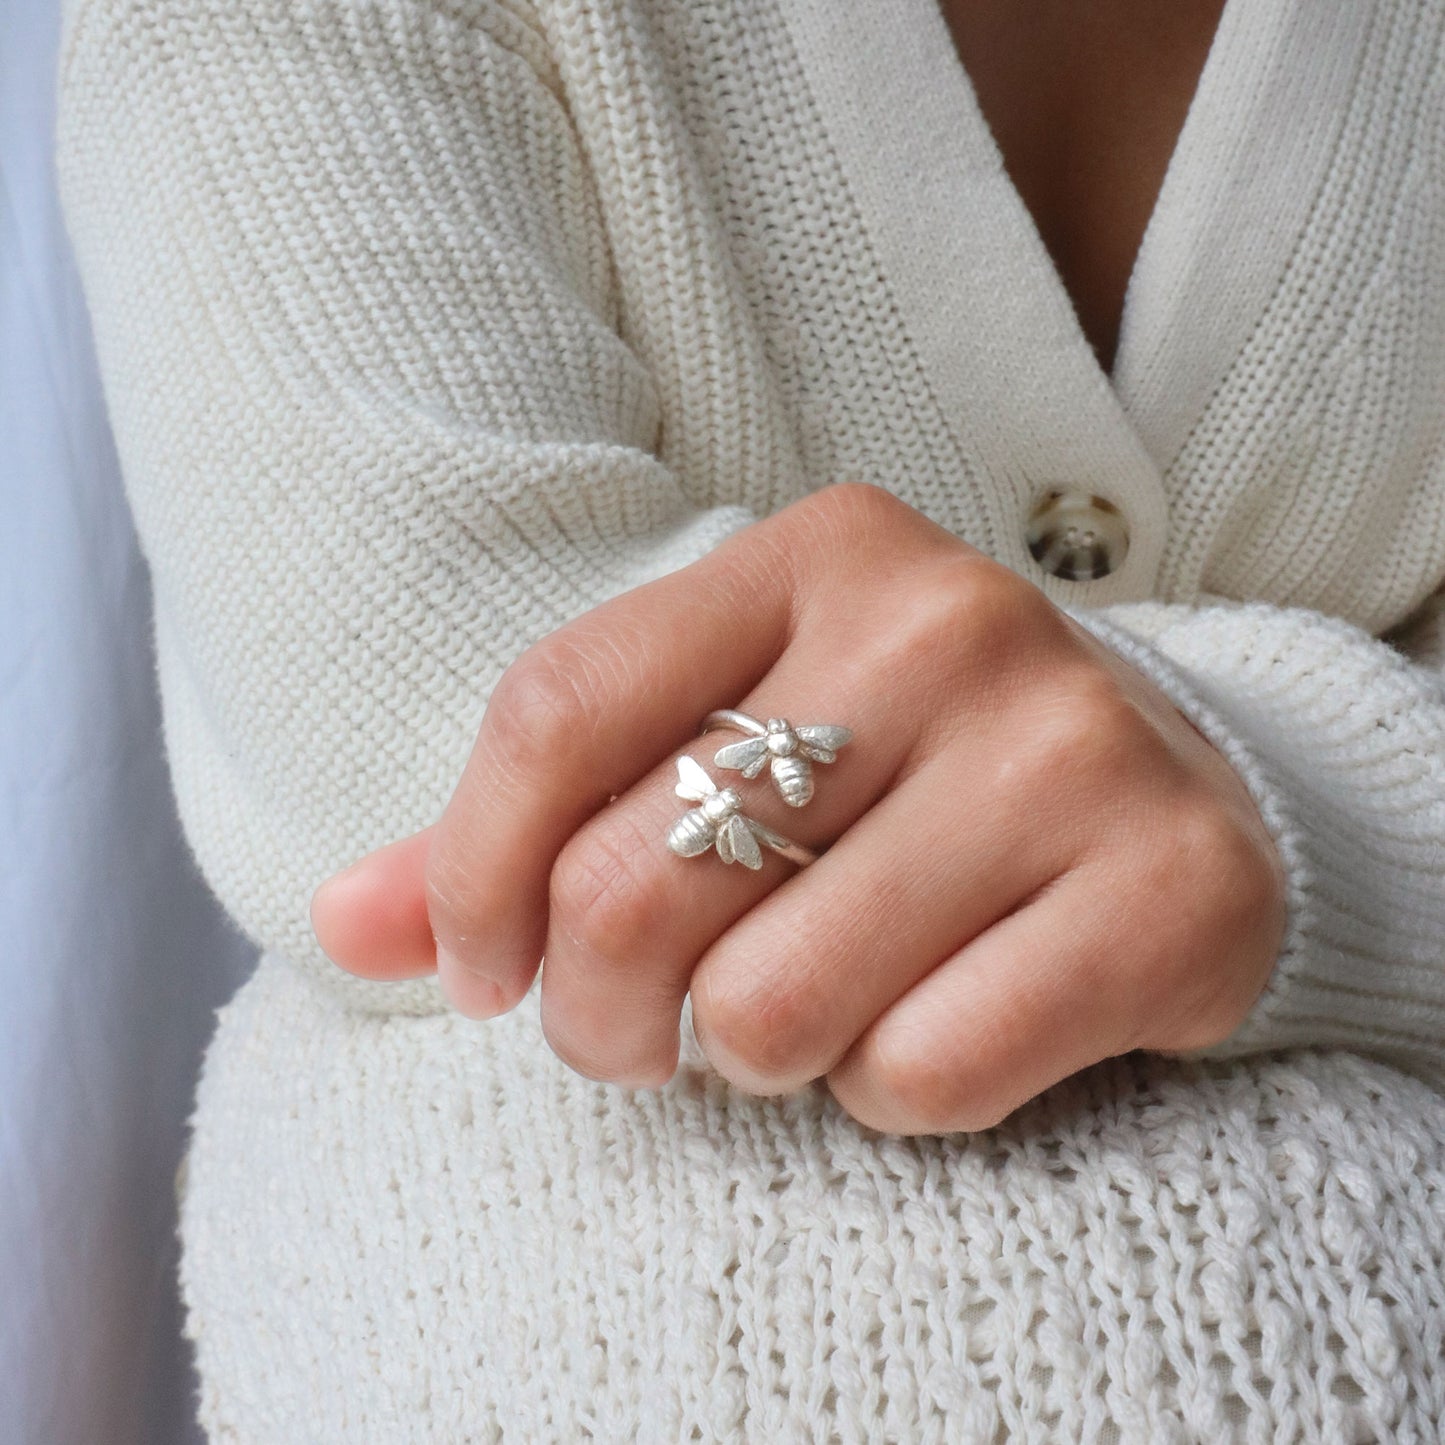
{"points": [[981, 297], [1198, 104]]}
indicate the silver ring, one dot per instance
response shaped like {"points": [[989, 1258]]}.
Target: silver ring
{"points": [[790, 751], [719, 822]]}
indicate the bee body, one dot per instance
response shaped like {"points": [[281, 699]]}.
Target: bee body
{"points": [[793, 778], [693, 833]]}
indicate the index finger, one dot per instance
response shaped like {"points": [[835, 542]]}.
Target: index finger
{"points": [[576, 720]]}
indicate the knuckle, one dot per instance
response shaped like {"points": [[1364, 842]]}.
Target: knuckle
{"points": [[539, 705], [1254, 876], [928, 635], [967, 612], [1211, 885], [1221, 857], [846, 518], [582, 1058], [765, 1033], [1091, 730], [456, 898], [859, 505], [1243, 885], [1001, 600], [923, 1088], [603, 894], [600, 1055]]}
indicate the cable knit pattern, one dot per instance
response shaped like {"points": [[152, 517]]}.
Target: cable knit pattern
{"points": [[427, 325]]}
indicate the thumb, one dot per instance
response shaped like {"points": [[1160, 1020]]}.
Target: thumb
{"points": [[371, 918]]}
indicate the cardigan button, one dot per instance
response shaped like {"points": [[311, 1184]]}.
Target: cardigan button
{"points": [[1077, 535]]}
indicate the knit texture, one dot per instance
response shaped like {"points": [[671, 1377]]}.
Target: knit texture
{"points": [[410, 1233], [427, 325]]}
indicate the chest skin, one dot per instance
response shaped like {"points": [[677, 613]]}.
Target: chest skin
{"points": [[1085, 102]]}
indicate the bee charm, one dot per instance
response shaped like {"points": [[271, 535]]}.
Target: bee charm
{"points": [[717, 822], [792, 753]]}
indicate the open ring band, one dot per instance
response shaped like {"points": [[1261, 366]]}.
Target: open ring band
{"points": [[730, 717], [793, 852]]}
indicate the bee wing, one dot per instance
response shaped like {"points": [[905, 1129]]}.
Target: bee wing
{"points": [[748, 756], [826, 738], [692, 782], [725, 841], [818, 755], [743, 844]]}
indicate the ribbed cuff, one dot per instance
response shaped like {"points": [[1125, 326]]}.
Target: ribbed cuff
{"points": [[1304, 708]]}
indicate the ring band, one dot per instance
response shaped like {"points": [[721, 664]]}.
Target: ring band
{"points": [[793, 852], [730, 717]]}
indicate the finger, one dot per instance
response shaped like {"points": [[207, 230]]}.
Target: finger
{"points": [[588, 712], [784, 993], [371, 918], [1054, 987], [628, 918]]}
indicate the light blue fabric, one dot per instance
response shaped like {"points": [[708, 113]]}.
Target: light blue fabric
{"points": [[113, 955]]}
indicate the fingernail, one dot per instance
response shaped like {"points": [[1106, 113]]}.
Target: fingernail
{"points": [[468, 992]]}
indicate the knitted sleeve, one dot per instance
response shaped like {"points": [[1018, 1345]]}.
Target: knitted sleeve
{"points": [[359, 329], [1340, 737]]}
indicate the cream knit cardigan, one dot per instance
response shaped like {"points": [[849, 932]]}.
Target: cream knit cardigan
{"points": [[427, 325]]}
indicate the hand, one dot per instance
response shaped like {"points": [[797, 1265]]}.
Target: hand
{"points": [[1036, 861]]}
